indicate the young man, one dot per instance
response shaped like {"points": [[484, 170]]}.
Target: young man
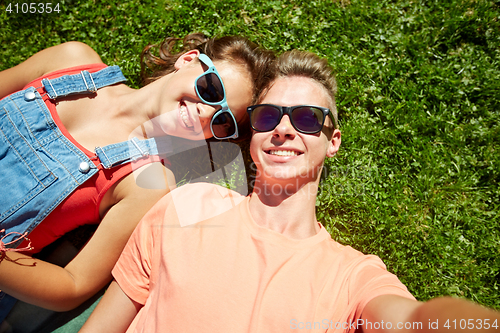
{"points": [[206, 259]]}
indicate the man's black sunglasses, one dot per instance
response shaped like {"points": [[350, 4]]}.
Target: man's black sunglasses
{"points": [[308, 119]]}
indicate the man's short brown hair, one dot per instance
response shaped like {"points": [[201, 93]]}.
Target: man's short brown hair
{"points": [[307, 64]]}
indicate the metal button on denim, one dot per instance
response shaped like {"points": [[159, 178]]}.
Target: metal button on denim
{"points": [[84, 167], [29, 96]]}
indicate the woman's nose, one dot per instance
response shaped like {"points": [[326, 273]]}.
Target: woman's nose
{"points": [[206, 111]]}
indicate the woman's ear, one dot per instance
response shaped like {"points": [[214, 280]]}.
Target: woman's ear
{"points": [[334, 143], [186, 58]]}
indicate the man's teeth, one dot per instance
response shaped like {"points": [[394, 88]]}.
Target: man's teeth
{"points": [[185, 117], [283, 152]]}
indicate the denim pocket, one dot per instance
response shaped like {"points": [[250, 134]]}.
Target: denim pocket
{"points": [[23, 173]]}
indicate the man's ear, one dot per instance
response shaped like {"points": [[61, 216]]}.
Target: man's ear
{"points": [[186, 58], [334, 143]]}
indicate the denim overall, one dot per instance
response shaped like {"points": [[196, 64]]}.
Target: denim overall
{"points": [[39, 166]]}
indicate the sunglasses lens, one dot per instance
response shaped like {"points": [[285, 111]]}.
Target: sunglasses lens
{"points": [[265, 118], [223, 125], [209, 88], [308, 119]]}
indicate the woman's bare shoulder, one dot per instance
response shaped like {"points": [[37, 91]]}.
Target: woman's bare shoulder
{"points": [[54, 58], [69, 54], [61, 56]]}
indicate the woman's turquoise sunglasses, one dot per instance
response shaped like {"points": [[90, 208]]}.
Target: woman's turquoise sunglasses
{"points": [[210, 90]]}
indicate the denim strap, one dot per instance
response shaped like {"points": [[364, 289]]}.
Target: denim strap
{"points": [[127, 151], [84, 82]]}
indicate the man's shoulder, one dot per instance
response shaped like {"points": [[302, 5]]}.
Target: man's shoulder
{"points": [[351, 257]]}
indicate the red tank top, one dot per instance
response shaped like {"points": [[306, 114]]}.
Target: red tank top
{"points": [[82, 206]]}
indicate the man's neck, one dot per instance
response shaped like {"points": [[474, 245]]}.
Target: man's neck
{"points": [[289, 210]]}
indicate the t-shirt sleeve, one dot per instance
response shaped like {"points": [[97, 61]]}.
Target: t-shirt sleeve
{"points": [[371, 279], [133, 269]]}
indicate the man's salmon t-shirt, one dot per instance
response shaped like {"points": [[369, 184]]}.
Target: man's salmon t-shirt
{"points": [[198, 262]]}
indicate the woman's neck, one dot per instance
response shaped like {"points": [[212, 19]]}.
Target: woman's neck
{"points": [[136, 108]]}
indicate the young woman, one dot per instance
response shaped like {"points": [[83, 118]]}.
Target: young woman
{"points": [[62, 103]]}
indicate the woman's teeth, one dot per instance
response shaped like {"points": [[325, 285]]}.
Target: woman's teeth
{"points": [[185, 116], [283, 152]]}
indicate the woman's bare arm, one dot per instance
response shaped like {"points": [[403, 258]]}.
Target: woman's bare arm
{"points": [[62, 289]]}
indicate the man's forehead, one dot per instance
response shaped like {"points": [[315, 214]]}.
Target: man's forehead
{"points": [[296, 90]]}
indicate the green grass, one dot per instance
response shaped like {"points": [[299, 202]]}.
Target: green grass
{"points": [[417, 178]]}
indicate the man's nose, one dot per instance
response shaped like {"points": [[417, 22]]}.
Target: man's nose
{"points": [[284, 129]]}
